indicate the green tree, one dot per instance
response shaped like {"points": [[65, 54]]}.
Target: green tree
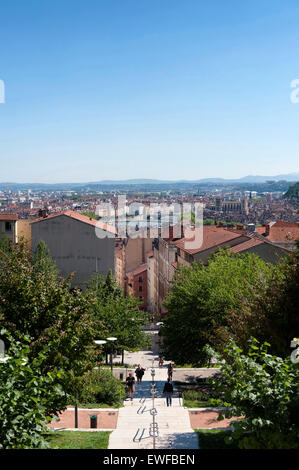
{"points": [[117, 315], [26, 395], [263, 390], [272, 313], [35, 301], [202, 297]]}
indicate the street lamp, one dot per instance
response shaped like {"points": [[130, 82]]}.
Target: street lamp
{"points": [[111, 338]]}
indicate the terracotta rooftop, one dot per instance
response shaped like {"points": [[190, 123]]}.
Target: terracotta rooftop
{"points": [[245, 245], [140, 269], [280, 231], [8, 216], [81, 218], [212, 236]]}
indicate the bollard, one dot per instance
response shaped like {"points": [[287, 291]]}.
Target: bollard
{"points": [[93, 421]]}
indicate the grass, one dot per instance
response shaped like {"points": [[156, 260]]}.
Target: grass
{"points": [[78, 439], [198, 404], [214, 439]]}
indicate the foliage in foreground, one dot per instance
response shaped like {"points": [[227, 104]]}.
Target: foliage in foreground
{"points": [[26, 395], [35, 301], [215, 439], [264, 389]]}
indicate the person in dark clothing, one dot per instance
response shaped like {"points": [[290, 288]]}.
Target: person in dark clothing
{"points": [[139, 373], [168, 391], [130, 383], [170, 371]]}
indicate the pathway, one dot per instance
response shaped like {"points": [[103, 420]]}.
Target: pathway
{"points": [[134, 420]]}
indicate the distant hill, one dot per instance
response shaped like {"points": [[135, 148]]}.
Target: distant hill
{"points": [[246, 179], [293, 192], [141, 182]]}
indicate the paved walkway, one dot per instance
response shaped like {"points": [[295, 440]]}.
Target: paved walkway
{"points": [[135, 419]]}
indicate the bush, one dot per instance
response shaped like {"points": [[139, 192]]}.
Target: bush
{"points": [[194, 395], [99, 386]]}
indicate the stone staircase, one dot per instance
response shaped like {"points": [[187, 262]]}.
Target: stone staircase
{"points": [[134, 427]]}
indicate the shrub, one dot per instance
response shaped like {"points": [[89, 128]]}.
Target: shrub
{"points": [[99, 386]]}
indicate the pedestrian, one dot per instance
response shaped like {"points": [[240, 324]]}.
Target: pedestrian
{"points": [[170, 370], [139, 373], [168, 391], [130, 384], [161, 362]]}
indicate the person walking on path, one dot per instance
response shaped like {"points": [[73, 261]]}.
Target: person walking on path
{"points": [[130, 385], [168, 391], [170, 371], [139, 373]]}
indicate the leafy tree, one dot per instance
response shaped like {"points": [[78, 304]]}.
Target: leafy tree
{"points": [[293, 192], [36, 302], [26, 395], [117, 315], [272, 313], [263, 390], [202, 297]]}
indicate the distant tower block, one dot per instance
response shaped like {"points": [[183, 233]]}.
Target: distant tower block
{"points": [[218, 206]]}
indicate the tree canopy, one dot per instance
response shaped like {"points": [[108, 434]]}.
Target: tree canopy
{"points": [[202, 298]]}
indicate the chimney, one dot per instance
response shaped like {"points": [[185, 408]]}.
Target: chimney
{"points": [[42, 213]]}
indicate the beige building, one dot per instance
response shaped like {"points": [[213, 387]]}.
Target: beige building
{"points": [[130, 253], [15, 229], [151, 293], [77, 244]]}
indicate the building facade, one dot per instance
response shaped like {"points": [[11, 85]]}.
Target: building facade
{"points": [[77, 244]]}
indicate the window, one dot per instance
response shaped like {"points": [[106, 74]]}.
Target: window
{"points": [[140, 279], [140, 288], [141, 298], [8, 227]]}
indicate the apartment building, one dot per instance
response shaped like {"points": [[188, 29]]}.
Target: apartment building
{"points": [[77, 244], [15, 229], [170, 253], [130, 253], [136, 284]]}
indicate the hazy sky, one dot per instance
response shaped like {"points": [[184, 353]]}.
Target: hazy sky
{"points": [[169, 89]]}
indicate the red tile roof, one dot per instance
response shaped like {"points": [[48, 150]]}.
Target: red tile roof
{"points": [[280, 231], [8, 216], [212, 236], [140, 269], [245, 245], [81, 218]]}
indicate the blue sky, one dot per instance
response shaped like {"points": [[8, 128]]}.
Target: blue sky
{"points": [[169, 89]]}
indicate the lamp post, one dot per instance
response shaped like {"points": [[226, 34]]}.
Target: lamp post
{"points": [[111, 338]]}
